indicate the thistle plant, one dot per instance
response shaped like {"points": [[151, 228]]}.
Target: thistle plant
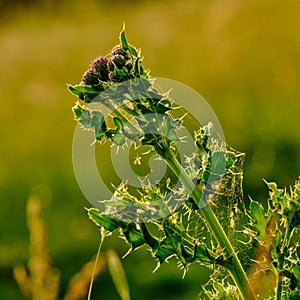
{"points": [[196, 212]]}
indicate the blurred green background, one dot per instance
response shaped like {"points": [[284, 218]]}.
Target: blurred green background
{"points": [[242, 56]]}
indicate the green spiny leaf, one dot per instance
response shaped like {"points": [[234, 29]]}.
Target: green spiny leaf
{"points": [[134, 236], [136, 67], [85, 89], [150, 240], [257, 212], [201, 253], [117, 121], [133, 51], [85, 119], [218, 162], [230, 159], [221, 294], [169, 246], [118, 139], [296, 271], [294, 295], [98, 123], [127, 46], [123, 40], [101, 220], [298, 252], [77, 109]]}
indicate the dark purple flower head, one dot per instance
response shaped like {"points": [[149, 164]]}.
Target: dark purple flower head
{"points": [[116, 61], [99, 64], [90, 77], [119, 50]]}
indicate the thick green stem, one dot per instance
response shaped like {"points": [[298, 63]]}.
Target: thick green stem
{"points": [[279, 287], [234, 266], [237, 272]]}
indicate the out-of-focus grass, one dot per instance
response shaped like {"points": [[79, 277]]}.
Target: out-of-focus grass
{"points": [[242, 56]]}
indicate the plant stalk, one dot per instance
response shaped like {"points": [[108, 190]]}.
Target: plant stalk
{"points": [[279, 287], [103, 234], [237, 271]]}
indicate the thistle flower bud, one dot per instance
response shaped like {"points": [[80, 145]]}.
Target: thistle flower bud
{"points": [[119, 50], [99, 64], [116, 61], [90, 77]]}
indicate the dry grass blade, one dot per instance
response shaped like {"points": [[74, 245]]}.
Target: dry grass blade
{"points": [[39, 280], [79, 283], [118, 275], [42, 280]]}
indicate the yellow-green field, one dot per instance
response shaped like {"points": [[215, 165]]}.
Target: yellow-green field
{"points": [[242, 56]]}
